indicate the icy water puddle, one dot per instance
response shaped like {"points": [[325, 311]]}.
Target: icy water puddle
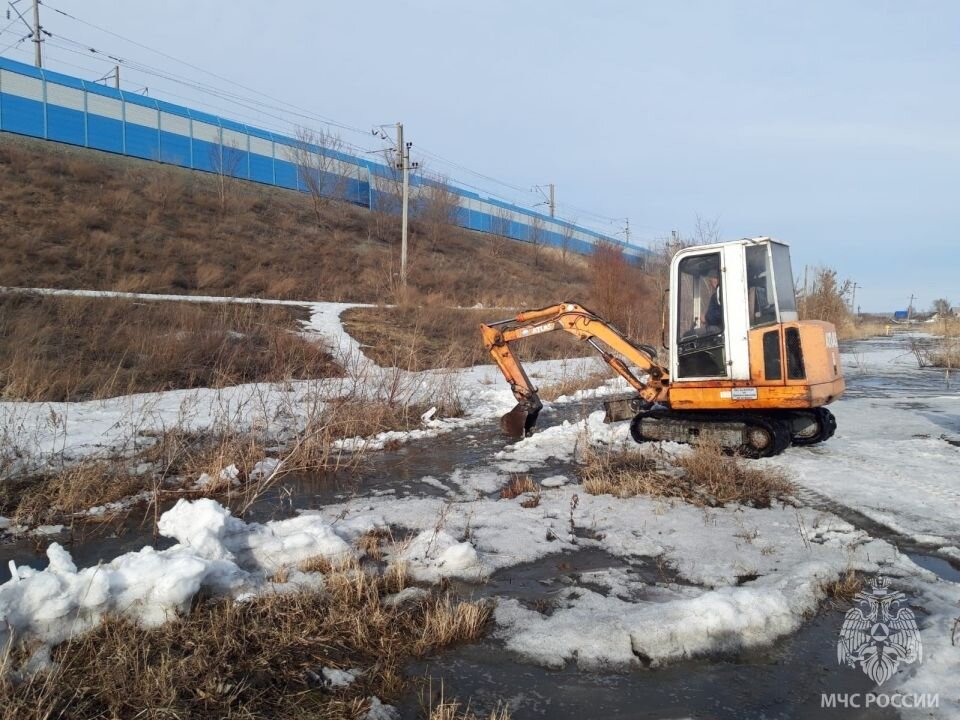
{"points": [[398, 473], [941, 567], [784, 681], [886, 367], [535, 584]]}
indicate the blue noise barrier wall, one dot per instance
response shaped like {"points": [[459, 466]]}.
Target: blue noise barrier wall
{"points": [[52, 106]]}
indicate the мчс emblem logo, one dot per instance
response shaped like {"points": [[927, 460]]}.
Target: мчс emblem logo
{"points": [[879, 634]]}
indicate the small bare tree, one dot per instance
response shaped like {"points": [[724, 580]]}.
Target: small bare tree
{"points": [[437, 210], [386, 197], [706, 232], [225, 159], [566, 240], [941, 307], [536, 235], [622, 292], [500, 229], [319, 169]]}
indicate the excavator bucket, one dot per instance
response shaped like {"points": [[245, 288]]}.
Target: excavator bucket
{"points": [[519, 422]]}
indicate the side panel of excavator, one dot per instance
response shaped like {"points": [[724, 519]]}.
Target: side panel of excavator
{"points": [[792, 365]]}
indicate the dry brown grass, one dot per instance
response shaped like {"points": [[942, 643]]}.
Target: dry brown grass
{"points": [[69, 491], [370, 544], [71, 348], [430, 336], [257, 659], [948, 357], [946, 352], [365, 402], [731, 479], [844, 588], [570, 384], [75, 218], [518, 485], [706, 476], [444, 709], [862, 329], [948, 327]]}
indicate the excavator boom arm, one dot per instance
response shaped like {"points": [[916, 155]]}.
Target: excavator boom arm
{"points": [[582, 323]]}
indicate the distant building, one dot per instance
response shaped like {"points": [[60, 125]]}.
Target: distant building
{"points": [[900, 315]]}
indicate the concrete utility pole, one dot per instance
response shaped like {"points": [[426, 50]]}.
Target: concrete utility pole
{"points": [[37, 59], [404, 165], [626, 231], [116, 76], [550, 197], [910, 306], [853, 298]]}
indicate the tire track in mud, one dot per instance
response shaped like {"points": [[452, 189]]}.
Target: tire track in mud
{"points": [[904, 543]]}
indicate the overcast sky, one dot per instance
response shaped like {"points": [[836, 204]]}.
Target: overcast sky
{"points": [[831, 125]]}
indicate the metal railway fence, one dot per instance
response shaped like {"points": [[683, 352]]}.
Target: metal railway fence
{"points": [[45, 104]]}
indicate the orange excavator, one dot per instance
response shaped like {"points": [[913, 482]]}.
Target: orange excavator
{"points": [[742, 370]]}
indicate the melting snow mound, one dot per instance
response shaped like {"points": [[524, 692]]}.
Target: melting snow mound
{"points": [[433, 555]]}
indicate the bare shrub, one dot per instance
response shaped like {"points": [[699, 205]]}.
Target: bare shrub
{"points": [[827, 300], [537, 237], [319, 170], [86, 171], [386, 202], [499, 232], [225, 159], [163, 189], [437, 211], [15, 157], [623, 293], [566, 240]]}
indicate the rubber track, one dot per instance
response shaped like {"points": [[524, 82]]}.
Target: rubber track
{"points": [[823, 417], [774, 422]]}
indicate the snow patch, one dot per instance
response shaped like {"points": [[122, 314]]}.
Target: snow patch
{"points": [[339, 678], [433, 555], [215, 552]]}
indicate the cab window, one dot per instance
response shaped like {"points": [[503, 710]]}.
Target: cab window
{"points": [[761, 293], [700, 317], [783, 274]]}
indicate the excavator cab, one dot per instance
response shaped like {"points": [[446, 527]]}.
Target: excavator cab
{"points": [[742, 368], [736, 340]]}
